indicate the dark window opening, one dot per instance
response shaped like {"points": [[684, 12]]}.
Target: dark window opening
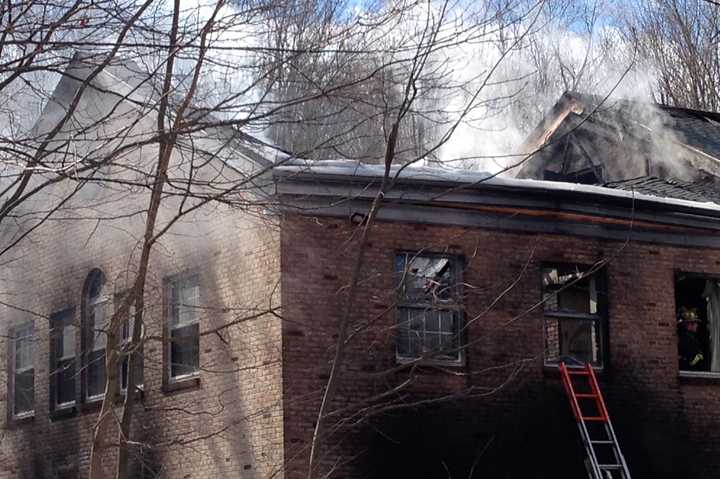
{"points": [[429, 312], [575, 308], [23, 371], [96, 314], [62, 359], [184, 326], [697, 301]]}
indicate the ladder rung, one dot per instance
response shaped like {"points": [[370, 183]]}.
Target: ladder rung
{"points": [[602, 442], [578, 373], [610, 466], [593, 418], [585, 395]]}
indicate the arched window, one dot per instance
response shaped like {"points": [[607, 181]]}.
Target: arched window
{"points": [[96, 313]]}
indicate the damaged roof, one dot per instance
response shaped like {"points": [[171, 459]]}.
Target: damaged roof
{"points": [[625, 138], [701, 129], [707, 190], [697, 128]]}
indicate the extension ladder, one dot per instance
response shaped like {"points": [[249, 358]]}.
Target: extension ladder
{"points": [[604, 458]]}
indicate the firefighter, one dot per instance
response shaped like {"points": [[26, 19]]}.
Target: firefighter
{"points": [[690, 347]]}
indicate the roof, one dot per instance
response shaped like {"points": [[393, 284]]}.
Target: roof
{"points": [[445, 196], [349, 170], [696, 128], [124, 80], [700, 129], [627, 138], [700, 191]]}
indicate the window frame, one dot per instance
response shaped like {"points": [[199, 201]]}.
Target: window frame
{"points": [[686, 373], [601, 317], [456, 306], [13, 332], [87, 348], [67, 315], [170, 283]]}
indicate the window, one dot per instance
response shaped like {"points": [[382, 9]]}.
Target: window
{"points": [[429, 312], [96, 313], [62, 359], [575, 306], [184, 327], [22, 374], [697, 302], [127, 332]]}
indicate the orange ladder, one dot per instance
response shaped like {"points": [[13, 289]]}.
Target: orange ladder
{"points": [[604, 458]]}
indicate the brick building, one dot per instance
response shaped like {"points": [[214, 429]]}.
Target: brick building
{"points": [[473, 289], [489, 403], [209, 402]]}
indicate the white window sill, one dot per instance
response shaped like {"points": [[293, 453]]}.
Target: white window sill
{"points": [[184, 377], [431, 362], [23, 415], [184, 382]]}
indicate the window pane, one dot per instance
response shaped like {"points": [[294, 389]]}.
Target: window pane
{"points": [[427, 331], [415, 343], [450, 331], [432, 321], [432, 343], [97, 324], [566, 290], [139, 373], [411, 330], [448, 344], [96, 373], [186, 299], [128, 323], [127, 333], [62, 357], [24, 347], [67, 342], [24, 373], [24, 394], [572, 341], [427, 278], [403, 333], [447, 321], [184, 350], [124, 374], [65, 374]]}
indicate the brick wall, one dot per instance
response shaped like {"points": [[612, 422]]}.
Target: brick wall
{"points": [[228, 425], [503, 414]]}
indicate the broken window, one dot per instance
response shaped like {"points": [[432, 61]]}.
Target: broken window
{"points": [[62, 359], [96, 315], [429, 312], [22, 372], [697, 300], [575, 307], [184, 326]]}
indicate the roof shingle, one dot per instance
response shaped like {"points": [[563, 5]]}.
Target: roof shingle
{"points": [[707, 190]]}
